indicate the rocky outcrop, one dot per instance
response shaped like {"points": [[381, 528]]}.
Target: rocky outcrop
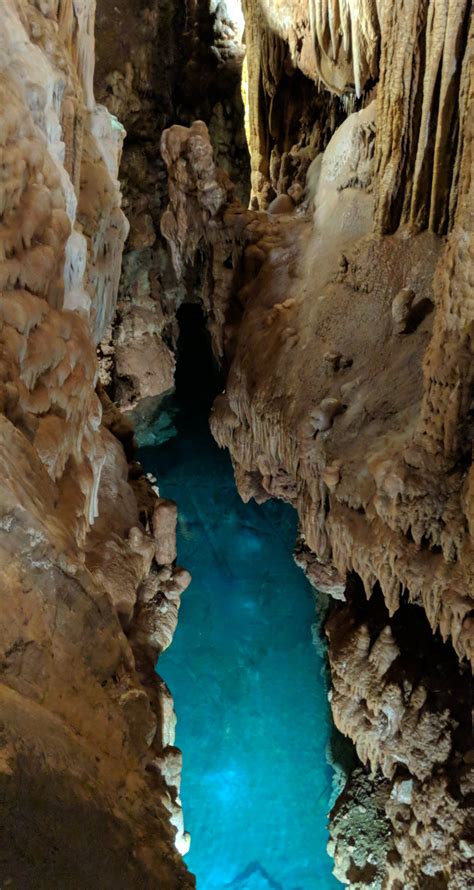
{"points": [[89, 772], [349, 367], [198, 193]]}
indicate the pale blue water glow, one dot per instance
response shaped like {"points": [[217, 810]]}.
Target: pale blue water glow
{"points": [[248, 684]]}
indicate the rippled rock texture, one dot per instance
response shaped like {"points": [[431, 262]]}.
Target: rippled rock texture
{"points": [[86, 730]]}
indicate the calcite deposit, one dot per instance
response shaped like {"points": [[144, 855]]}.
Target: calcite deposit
{"points": [[89, 773], [416, 54], [297, 373], [400, 695]]}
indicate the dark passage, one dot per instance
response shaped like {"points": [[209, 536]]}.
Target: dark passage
{"points": [[197, 379]]}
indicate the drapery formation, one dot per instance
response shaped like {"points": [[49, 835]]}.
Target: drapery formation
{"points": [[417, 54]]}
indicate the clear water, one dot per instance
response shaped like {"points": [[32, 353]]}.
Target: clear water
{"points": [[248, 683]]}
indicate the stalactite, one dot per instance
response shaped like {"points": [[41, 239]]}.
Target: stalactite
{"points": [[413, 50], [448, 362], [420, 82]]}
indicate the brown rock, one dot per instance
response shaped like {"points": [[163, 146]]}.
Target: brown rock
{"points": [[165, 517]]}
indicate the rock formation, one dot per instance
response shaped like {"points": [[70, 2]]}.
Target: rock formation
{"points": [[399, 694], [416, 55], [160, 63], [310, 374], [89, 772]]}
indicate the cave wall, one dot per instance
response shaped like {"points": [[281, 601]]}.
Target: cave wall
{"points": [[398, 692], [89, 773], [289, 120]]}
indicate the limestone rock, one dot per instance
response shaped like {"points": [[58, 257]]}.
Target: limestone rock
{"points": [[79, 706]]}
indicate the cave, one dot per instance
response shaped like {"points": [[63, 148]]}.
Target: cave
{"points": [[236, 498]]}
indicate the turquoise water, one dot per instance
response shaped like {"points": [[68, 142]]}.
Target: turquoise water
{"points": [[247, 681]]}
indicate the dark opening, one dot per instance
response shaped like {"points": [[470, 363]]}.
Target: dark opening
{"points": [[198, 378]]}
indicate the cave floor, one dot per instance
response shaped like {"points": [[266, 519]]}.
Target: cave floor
{"points": [[248, 683]]}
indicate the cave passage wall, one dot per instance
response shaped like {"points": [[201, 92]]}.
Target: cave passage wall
{"points": [[418, 56], [89, 775]]}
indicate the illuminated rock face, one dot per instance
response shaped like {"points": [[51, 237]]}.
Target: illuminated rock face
{"points": [[399, 694], [417, 57], [313, 375], [86, 728]]}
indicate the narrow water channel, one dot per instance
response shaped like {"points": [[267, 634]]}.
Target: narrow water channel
{"points": [[248, 683]]}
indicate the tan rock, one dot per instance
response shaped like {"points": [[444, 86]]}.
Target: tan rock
{"points": [[79, 719], [165, 517], [281, 204]]}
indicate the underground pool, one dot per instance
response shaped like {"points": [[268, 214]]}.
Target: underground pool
{"points": [[247, 680]]}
